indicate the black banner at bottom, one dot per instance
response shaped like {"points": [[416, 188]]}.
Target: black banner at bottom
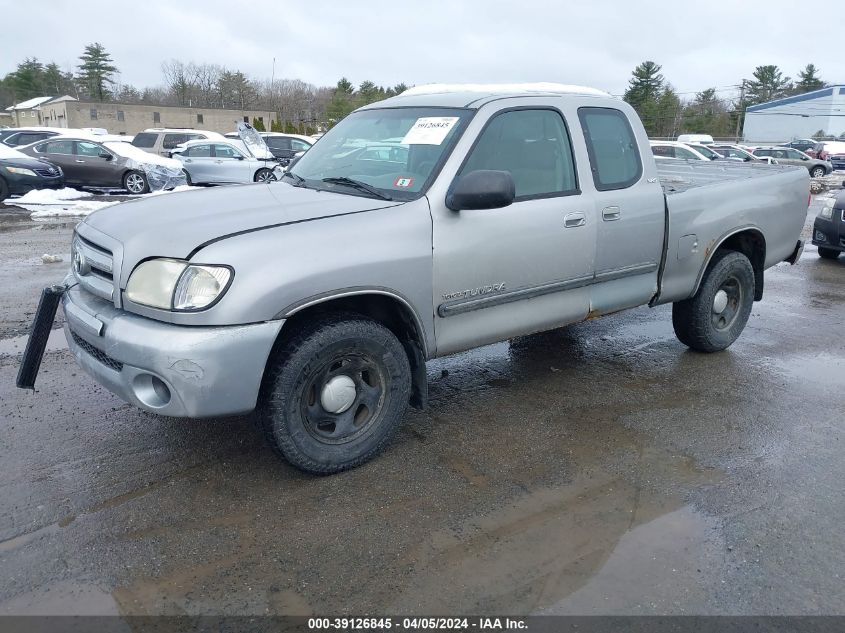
{"points": [[525, 624]]}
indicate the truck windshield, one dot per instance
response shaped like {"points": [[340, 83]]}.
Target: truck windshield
{"points": [[386, 153]]}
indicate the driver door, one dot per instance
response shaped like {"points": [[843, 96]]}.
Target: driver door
{"points": [[230, 165], [500, 273]]}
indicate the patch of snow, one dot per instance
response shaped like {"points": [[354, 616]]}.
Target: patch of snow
{"points": [[174, 190], [8, 152], [51, 259], [52, 196], [542, 87], [130, 151], [73, 209]]}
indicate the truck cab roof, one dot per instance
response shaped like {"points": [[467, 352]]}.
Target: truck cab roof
{"points": [[476, 95]]}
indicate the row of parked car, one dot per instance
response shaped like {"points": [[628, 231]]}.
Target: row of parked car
{"points": [[38, 158], [771, 154]]}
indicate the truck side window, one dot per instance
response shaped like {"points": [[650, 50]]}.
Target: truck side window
{"points": [[534, 146], [614, 156]]}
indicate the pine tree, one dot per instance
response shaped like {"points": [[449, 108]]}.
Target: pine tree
{"points": [[768, 84], [27, 81], [258, 124], [96, 70], [808, 80], [342, 102], [644, 91]]}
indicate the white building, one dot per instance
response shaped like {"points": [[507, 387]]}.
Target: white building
{"points": [[800, 116], [28, 113]]}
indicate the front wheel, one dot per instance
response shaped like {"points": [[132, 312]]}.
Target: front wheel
{"points": [[4, 190], [135, 182], [828, 253], [817, 172], [335, 393], [716, 315], [264, 175]]}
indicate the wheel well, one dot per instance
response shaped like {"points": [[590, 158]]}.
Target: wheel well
{"points": [[392, 313], [752, 244]]}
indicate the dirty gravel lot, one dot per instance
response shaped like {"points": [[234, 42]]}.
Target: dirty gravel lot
{"points": [[601, 468]]}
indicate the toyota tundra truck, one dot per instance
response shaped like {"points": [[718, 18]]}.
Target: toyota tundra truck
{"points": [[439, 220]]}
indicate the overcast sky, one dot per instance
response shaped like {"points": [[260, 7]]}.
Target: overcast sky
{"points": [[595, 43]]}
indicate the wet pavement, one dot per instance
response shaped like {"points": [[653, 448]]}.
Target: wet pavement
{"points": [[600, 468]]}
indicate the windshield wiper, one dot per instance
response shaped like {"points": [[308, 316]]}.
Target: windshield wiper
{"points": [[298, 180], [357, 184]]}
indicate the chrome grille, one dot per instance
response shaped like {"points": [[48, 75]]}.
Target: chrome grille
{"points": [[97, 354], [47, 172], [93, 267]]}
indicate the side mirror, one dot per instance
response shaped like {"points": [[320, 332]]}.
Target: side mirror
{"points": [[482, 189], [106, 155], [239, 158]]}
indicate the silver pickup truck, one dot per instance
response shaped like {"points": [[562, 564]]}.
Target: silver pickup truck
{"points": [[433, 222]]}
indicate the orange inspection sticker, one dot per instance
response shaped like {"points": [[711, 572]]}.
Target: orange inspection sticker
{"points": [[403, 182]]}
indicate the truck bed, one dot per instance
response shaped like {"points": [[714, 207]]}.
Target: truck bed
{"points": [[706, 201], [677, 176]]}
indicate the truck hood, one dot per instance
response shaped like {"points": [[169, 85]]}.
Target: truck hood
{"points": [[178, 224]]}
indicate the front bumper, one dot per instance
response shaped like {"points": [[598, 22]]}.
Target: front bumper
{"points": [[830, 233], [19, 185], [168, 369]]}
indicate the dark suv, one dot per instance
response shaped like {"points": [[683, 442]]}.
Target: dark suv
{"points": [[829, 228]]}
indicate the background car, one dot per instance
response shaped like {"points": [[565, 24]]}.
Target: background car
{"points": [[833, 151], [282, 146], [163, 141], [674, 149], [801, 144], [224, 162], [706, 151], [87, 162], [701, 139], [16, 137], [20, 173], [737, 153], [789, 156]]}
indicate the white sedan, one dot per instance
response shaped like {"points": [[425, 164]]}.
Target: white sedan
{"points": [[230, 161]]}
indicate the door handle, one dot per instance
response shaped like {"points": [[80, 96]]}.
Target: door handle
{"points": [[571, 220], [188, 160], [609, 214], [79, 161]]}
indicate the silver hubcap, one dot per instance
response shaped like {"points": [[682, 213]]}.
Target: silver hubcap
{"points": [[135, 183], [720, 302], [338, 394]]}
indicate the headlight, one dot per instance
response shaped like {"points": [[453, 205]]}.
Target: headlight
{"points": [[827, 209], [21, 171], [172, 284]]}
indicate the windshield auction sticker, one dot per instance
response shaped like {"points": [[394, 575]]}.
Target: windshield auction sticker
{"points": [[429, 130]]}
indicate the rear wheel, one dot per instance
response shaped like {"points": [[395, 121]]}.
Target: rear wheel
{"points": [[828, 253], [4, 190], [716, 315], [335, 393], [135, 182], [264, 175], [817, 172]]}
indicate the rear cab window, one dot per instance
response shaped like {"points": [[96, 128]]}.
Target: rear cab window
{"points": [[612, 148]]}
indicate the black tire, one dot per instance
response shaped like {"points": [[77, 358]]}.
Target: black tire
{"points": [[187, 177], [817, 172], [828, 253], [696, 322], [4, 190], [291, 406], [264, 175], [135, 182]]}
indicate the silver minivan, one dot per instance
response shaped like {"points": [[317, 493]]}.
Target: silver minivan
{"points": [[163, 141]]}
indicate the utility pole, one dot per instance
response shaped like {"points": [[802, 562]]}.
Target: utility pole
{"points": [[741, 114]]}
